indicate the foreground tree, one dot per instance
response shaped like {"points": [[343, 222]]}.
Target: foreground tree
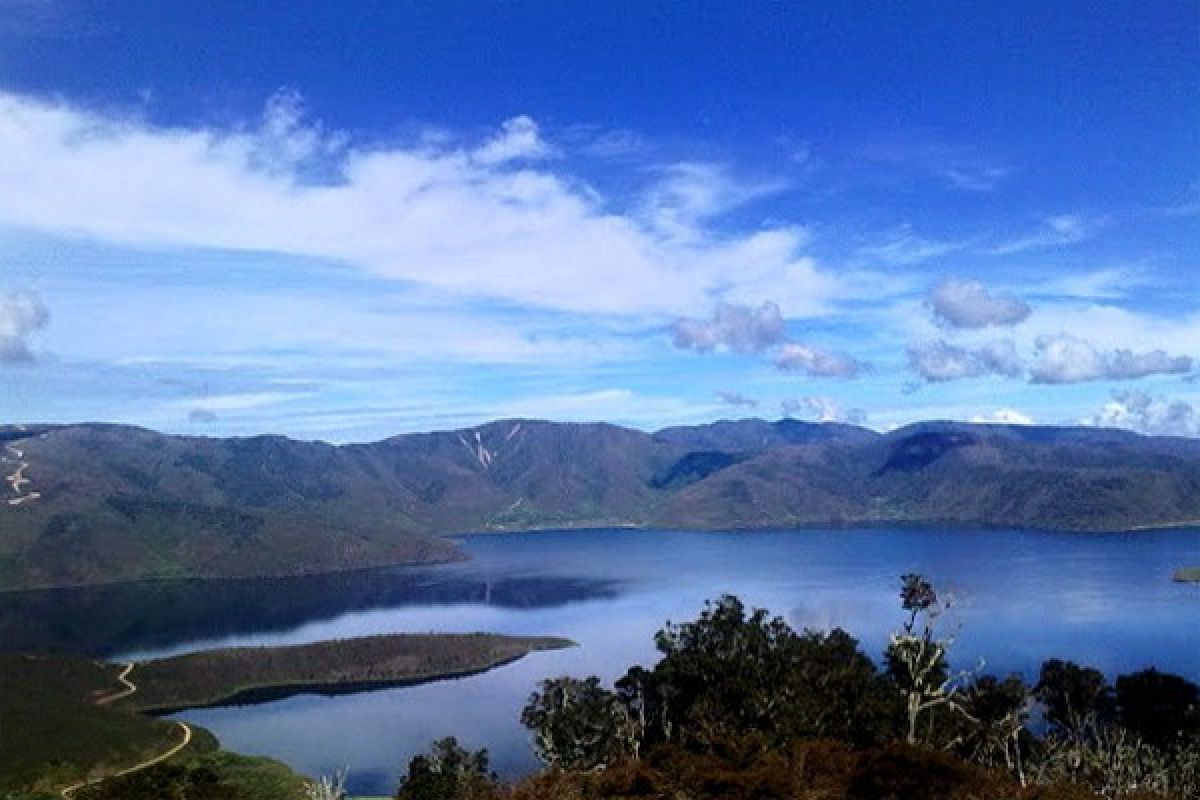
{"points": [[449, 772], [580, 725], [1075, 699], [1163, 709], [995, 715], [917, 659]]}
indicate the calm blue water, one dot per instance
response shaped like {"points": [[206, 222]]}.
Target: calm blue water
{"points": [[1102, 599]]}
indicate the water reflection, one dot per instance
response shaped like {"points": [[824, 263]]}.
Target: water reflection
{"points": [[1102, 599], [162, 617]]}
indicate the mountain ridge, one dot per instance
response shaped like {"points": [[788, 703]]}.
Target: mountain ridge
{"points": [[116, 503]]}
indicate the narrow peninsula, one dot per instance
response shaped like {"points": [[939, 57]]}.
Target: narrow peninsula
{"points": [[244, 675]]}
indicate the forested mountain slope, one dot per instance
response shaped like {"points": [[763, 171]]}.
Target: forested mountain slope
{"points": [[96, 503]]}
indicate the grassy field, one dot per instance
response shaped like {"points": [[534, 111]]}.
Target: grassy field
{"points": [[247, 674], [1188, 575]]}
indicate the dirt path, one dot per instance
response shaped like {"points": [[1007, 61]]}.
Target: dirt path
{"points": [[18, 479], [123, 693], [129, 689]]}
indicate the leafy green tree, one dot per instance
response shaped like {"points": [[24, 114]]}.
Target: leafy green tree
{"points": [[1163, 709], [995, 713], [733, 672], [449, 772], [578, 724], [1072, 696]]}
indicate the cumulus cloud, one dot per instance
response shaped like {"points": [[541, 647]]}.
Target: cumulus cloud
{"points": [[823, 409], [1003, 416], [1138, 411], [735, 399], [938, 361], [968, 304], [518, 139], [739, 328], [495, 220], [21, 315], [816, 362], [1063, 358]]}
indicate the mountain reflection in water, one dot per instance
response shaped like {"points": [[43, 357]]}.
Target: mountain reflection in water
{"points": [[157, 616]]}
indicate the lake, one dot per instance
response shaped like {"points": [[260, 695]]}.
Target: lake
{"points": [[1106, 600]]}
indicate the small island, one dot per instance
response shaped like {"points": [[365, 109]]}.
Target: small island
{"points": [[245, 675], [1188, 575]]}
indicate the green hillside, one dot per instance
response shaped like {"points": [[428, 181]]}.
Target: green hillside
{"points": [[106, 503]]}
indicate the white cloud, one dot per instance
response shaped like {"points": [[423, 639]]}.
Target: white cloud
{"points": [[1055, 231], [487, 221], [739, 328], [21, 315], [904, 247], [1063, 358], [817, 362], [823, 409], [1101, 284], [956, 167], [968, 304], [1140, 412], [938, 361], [518, 139], [1003, 416]]}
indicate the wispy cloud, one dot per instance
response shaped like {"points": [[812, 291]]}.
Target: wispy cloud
{"points": [[491, 219], [1055, 231], [737, 399], [956, 167], [903, 246], [21, 315]]}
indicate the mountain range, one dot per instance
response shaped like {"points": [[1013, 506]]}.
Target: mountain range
{"points": [[92, 503]]}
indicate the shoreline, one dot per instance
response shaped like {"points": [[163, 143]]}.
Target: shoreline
{"points": [[864, 526]]}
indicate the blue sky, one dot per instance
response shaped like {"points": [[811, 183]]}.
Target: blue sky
{"points": [[353, 220]]}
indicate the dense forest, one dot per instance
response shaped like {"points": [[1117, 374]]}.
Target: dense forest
{"points": [[742, 707]]}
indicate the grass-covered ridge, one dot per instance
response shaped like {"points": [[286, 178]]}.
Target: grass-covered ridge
{"points": [[213, 677]]}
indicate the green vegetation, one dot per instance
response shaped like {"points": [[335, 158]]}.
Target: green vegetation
{"points": [[79, 720], [137, 505], [216, 776], [65, 735], [213, 677], [1188, 575], [741, 707]]}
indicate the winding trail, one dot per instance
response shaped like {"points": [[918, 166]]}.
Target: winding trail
{"points": [[17, 480], [129, 689]]}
